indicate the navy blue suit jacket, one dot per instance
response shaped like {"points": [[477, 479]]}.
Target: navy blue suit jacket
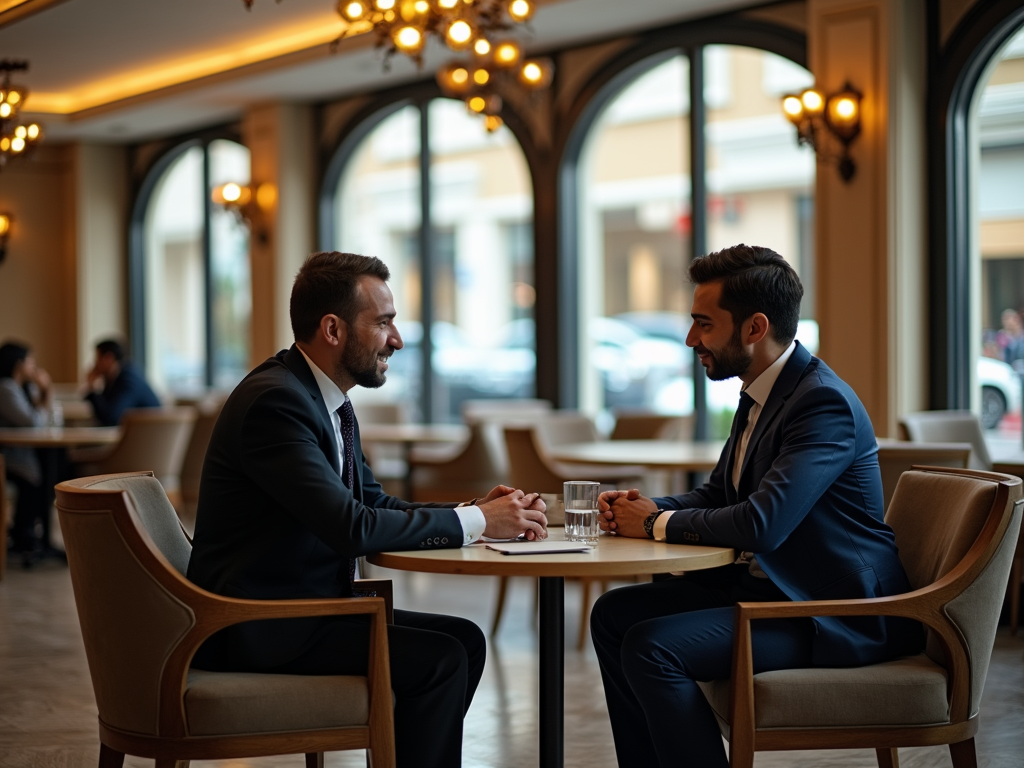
{"points": [[128, 390], [809, 506], [275, 520]]}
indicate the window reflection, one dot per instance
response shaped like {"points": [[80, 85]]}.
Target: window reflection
{"points": [[997, 122]]}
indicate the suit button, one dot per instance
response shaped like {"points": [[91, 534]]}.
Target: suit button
{"points": [[444, 540], [437, 540]]}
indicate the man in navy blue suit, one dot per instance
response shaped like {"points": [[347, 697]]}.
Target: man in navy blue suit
{"points": [[123, 385], [797, 493]]}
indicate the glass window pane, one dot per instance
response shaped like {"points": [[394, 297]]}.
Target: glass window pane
{"points": [[174, 277], [760, 181], [231, 291], [378, 214], [998, 136], [634, 215], [483, 290]]}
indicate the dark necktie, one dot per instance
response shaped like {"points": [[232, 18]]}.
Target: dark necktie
{"points": [[348, 471], [739, 424]]}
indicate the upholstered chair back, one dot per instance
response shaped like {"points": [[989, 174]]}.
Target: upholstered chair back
{"points": [[949, 427], [130, 621], [472, 471], [528, 469], [937, 518], [154, 439], [195, 455], [564, 427]]}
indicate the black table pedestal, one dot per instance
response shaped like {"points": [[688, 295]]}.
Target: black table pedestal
{"points": [[552, 668]]}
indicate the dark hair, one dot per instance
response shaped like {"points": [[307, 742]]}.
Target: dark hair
{"points": [[326, 285], [113, 346], [11, 353], [754, 279]]}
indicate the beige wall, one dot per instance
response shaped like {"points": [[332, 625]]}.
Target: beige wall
{"points": [[38, 279]]}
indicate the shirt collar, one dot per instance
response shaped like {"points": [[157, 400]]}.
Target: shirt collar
{"points": [[333, 397], [761, 387]]}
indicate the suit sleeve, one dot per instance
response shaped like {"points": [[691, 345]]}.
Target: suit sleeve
{"points": [[711, 494], [281, 454], [818, 445]]}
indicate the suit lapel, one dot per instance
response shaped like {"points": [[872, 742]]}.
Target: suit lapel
{"points": [[296, 363], [784, 386]]}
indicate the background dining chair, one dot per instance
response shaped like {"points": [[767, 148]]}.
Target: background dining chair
{"points": [[142, 621], [948, 427], [468, 472], [152, 439], [192, 462], [895, 458], [647, 425], [956, 530]]}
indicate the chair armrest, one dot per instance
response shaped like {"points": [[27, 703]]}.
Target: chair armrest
{"points": [[383, 588], [910, 605]]}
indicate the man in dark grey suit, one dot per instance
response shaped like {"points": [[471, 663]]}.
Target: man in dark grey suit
{"points": [[287, 503], [797, 492]]}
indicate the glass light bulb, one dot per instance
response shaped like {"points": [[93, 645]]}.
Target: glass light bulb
{"points": [[792, 106], [21, 132], [520, 10], [532, 72], [482, 47], [813, 101], [5, 224], [507, 54], [384, 5], [5, 110], [845, 108], [13, 97], [33, 131], [460, 32], [408, 38], [477, 104], [231, 192], [421, 6], [460, 76], [481, 77], [352, 11], [5, 144], [17, 144], [492, 123], [447, 4]]}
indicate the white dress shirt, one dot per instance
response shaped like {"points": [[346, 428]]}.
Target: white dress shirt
{"points": [[470, 516], [759, 390]]}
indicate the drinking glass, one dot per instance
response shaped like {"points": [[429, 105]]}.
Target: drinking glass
{"points": [[581, 516]]}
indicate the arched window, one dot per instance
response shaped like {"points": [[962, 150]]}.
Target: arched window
{"points": [[639, 174], [996, 138], [448, 207], [191, 297]]}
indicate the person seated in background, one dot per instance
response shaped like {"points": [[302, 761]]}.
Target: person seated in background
{"points": [[287, 503], [116, 385], [797, 493], [25, 391]]}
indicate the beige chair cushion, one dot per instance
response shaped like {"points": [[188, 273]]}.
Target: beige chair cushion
{"points": [[909, 691], [220, 703]]}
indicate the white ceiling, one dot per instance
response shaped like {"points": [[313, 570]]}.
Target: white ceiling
{"points": [[127, 69]]}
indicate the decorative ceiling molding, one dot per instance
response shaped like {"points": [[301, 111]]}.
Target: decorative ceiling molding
{"points": [[13, 10]]}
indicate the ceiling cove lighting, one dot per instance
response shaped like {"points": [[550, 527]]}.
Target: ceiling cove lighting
{"points": [[16, 138], [817, 115], [478, 27]]}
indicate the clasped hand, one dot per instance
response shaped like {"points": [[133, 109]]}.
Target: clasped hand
{"points": [[508, 513], [624, 512]]}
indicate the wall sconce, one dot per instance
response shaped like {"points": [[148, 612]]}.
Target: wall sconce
{"points": [[5, 231], [250, 208], [815, 115]]}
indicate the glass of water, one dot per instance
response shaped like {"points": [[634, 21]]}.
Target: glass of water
{"points": [[581, 516]]}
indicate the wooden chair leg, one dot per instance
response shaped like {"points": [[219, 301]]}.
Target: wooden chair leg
{"points": [[110, 758], [741, 756], [499, 608], [888, 758], [316, 760], [1015, 576], [581, 638], [963, 754]]}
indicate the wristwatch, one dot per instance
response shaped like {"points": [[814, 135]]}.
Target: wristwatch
{"points": [[649, 522]]}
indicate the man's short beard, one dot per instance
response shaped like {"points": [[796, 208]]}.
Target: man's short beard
{"points": [[734, 360], [361, 366]]}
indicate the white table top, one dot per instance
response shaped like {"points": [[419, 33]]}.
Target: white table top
{"points": [[654, 454]]}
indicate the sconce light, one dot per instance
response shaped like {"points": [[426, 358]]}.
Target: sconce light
{"points": [[250, 208], [815, 115], [5, 231]]}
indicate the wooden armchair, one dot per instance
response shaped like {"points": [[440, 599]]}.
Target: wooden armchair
{"points": [[142, 622], [956, 531]]}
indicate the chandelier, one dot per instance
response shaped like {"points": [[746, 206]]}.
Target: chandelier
{"points": [[478, 28], [15, 138]]}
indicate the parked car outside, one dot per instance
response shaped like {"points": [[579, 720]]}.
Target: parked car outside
{"points": [[1000, 391]]}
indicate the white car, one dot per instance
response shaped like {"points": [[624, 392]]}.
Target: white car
{"points": [[1000, 391]]}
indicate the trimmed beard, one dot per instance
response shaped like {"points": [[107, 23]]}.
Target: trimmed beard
{"points": [[361, 364], [731, 361]]}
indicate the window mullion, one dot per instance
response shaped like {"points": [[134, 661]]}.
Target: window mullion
{"points": [[698, 216], [208, 288], [426, 269]]}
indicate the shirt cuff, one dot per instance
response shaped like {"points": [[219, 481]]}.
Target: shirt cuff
{"points": [[473, 523], [661, 524]]}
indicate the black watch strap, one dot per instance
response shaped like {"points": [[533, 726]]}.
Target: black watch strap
{"points": [[649, 522]]}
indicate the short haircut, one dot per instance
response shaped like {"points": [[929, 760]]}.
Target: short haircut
{"points": [[754, 279], [326, 285], [11, 353], [112, 346]]}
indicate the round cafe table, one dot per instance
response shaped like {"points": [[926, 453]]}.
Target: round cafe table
{"points": [[59, 437], [408, 435], [614, 556]]}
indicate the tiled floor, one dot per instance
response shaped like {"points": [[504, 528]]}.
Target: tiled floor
{"points": [[48, 716]]}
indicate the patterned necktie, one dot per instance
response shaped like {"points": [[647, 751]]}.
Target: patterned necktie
{"points": [[348, 471]]}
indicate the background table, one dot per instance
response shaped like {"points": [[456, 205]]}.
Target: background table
{"points": [[690, 457], [407, 435], [614, 556], [59, 437]]}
